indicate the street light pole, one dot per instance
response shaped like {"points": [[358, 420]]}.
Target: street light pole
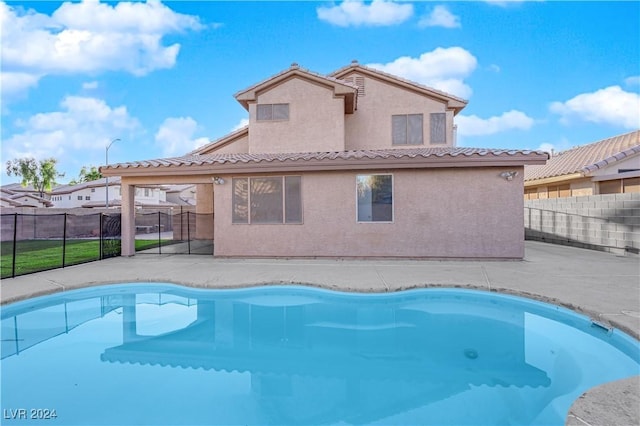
{"points": [[107, 178]]}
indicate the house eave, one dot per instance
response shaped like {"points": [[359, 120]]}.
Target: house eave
{"points": [[554, 179], [324, 165]]}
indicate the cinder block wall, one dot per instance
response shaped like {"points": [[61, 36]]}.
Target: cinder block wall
{"points": [[602, 222]]}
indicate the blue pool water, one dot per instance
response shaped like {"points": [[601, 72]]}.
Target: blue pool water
{"points": [[166, 355]]}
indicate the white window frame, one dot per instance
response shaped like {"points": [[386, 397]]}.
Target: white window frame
{"points": [[393, 202], [284, 201]]}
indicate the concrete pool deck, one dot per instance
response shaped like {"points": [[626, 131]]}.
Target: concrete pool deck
{"points": [[601, 285]]}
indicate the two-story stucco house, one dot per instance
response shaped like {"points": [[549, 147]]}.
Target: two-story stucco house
{"points": [[357, 163], [93, 194]]}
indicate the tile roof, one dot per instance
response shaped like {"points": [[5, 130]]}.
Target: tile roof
{"points": [[65, 189], [328, 157], [587, 158]]}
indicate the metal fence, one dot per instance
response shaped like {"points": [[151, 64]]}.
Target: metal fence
{"points": [[182, 233], [39, 242], [34, 242]]}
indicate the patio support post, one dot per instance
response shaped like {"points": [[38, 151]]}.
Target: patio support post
{"points": [[128, 226]]}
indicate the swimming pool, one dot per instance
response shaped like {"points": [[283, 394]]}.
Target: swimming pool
{"points": [[165, 354]]}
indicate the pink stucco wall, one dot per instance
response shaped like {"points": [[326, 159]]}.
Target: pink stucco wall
{"points": [[316, 120], [370, 126], [440, 213]]}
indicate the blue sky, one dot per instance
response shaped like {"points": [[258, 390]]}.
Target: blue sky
{"points": [[161, 76]]}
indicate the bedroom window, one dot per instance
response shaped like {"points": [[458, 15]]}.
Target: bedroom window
{"points": [[406, 129], [267, 200], [272, 112], [374, 194], [438, 127]]}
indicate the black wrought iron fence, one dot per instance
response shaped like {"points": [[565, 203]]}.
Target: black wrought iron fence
{"points": [[39, 242], [182, 233]]}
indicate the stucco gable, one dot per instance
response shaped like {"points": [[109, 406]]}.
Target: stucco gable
{"points": [[453, 102], [226, 140], [339, 87]]}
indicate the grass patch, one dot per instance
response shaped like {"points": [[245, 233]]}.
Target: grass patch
{"points": [[42, 255]]}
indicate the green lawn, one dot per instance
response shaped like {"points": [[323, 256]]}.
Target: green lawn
{"points": [[41, 255]]}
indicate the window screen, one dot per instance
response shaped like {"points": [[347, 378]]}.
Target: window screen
{"points": [[438, 127], [280, 111], [375, 198], [292, 199], [274, 199], [266, 200], [240, 200], [407, 129], [264, 112], [270, 112]]}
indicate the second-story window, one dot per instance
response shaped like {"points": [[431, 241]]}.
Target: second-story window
{"points": [[406, 129], [272, 112], [438, 127]]}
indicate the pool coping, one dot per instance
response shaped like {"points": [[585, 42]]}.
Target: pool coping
{"points": [[573, 287]]}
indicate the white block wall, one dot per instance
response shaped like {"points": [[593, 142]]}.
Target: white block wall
{"points": [[603, 222]]}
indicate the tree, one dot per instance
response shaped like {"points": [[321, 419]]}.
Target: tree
{"points": [[39, 174], [87, 175]]}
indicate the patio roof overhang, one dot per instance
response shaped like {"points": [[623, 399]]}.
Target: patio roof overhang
{"points": [[194, 166]]}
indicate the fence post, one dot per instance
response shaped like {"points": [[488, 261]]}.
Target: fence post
{"points": [[188, 234], [181, 224], [64, 242], [101, 251], [15, 235], [159, 240]]}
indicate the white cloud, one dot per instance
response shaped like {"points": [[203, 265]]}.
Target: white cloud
{"points": [[175, 136], [494, 68], [561, 145], [611, 105], [83, 125], [90, 85], [547, 147], [473, 125], [503, 3], [357, 13], [443, 69], [440, 17], [15, 83], [90, 37], [632, 81], [242, 123]]}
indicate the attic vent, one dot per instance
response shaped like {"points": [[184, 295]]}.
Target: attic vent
{"points": [[358, 80]]}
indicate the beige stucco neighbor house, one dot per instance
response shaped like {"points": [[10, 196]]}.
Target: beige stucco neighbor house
{"points": [[357, 163], [609, 166]]}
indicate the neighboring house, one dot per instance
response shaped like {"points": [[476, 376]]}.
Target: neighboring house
{"points": [[181, 195], [92, 194], [358, 163], [610, 166], [12, 198]]}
